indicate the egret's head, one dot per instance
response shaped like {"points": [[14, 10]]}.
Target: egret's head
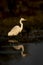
{"points": [[23, 19]]}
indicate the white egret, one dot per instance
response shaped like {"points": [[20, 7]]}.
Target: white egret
{"points": [[15, 31]]}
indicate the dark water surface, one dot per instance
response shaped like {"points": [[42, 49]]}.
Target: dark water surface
{"points": [[36, 57]]}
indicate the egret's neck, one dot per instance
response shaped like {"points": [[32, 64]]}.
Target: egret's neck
{"points": [[21, 24]]}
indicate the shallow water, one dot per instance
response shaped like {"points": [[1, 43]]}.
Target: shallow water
{"points": [[36, 57]]}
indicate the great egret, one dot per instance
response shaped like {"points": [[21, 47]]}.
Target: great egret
{"points": [[17, 29]]}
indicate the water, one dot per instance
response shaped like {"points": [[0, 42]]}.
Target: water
{"points": [[36, 57]]}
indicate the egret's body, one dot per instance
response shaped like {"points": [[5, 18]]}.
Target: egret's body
{"points": [[15, 31]]}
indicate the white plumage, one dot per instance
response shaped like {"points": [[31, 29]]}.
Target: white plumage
{"points": [[16, 29]]}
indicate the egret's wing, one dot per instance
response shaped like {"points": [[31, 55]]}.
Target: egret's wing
{"points": [[15, 30]]}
